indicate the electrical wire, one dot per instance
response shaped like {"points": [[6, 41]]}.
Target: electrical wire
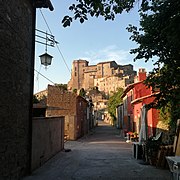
{"points": [[19, 36], [45, 21], [63, 58], [45, 77], [55, 41], [55, 84], [37, 77]]}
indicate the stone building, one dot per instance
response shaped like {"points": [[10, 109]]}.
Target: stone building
{"points": [[17, 37], [111, 84], [135, 97], [88, 76], [17, 27], [40, 95], [76, 109]]}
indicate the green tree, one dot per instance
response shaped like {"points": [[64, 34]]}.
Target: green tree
{"points": [[113, 102], [62, 86], [95, 8], [75, 91], [82, 92], [35, 99], [159, 38]]}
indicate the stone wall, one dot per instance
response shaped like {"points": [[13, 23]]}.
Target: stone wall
{"points": [[83, 76], [73, 107], [47, 139], [112, 83], [77, 74], [17, 19], [60, 103]]}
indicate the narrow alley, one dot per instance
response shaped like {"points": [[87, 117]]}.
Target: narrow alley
{"points": [[103, 154]]}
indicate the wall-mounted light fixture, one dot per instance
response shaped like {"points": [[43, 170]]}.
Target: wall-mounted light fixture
{"points": [[46, 59], [48, 40]]}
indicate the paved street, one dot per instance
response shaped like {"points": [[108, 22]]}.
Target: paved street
{"points": [[101, 155]]}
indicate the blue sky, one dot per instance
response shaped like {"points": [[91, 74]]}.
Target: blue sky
{"points": [[95, 40]]}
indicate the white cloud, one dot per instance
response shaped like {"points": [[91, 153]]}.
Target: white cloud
{"points": [[113, 53], [109, 53]]}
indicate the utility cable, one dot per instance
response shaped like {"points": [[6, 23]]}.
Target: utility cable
{"points": [[45, 21], [37, 78], [55, 41], [63, 58], [45, 77], [20, 37], [55, 84]]}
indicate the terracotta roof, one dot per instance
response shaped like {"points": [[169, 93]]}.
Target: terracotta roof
{"points": [[129, 87], [144, 97]]}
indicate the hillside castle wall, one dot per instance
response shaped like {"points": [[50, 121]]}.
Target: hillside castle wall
{"points": [[107, 76]]}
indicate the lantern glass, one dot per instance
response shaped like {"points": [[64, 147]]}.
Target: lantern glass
{"points": [[46, 59]]}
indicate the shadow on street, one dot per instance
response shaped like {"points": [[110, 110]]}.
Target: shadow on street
{"points": [[102, 154]]}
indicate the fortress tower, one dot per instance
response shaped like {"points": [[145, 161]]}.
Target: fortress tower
{"points": [[85, 76]]}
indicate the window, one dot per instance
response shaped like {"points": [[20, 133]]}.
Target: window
{"points": [[75, 74], [131, 95]]}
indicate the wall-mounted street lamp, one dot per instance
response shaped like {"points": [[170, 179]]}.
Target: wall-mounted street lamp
{"points": [[45, 58]]}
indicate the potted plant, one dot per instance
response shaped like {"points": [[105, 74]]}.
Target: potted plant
{"points": [[152, 146]]}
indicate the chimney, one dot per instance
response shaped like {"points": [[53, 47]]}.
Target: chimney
{"points": [[141, 74]]}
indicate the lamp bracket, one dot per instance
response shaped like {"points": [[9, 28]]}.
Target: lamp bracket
{"points": [[45, 38]]}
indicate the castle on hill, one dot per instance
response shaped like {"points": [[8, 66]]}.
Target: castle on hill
{"points": [[107, 76]]}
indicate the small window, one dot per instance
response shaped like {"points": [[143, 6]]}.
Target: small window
{"points": [[75, 74]]}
